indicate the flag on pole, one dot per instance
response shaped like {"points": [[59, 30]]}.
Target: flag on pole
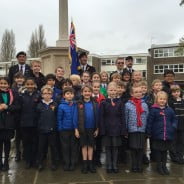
{"points": [[73, 55]]}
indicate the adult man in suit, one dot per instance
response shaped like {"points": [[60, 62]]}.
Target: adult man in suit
{"points": [[20, 67], [84, 67], [119, 65], [129, 64]]}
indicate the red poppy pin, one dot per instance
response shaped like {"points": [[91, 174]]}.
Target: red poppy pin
{"points": [[71, 103], [81, 106], [162, 113], [52, 107]]}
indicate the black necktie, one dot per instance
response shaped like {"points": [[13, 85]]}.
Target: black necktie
{"points": [[21, 69]]}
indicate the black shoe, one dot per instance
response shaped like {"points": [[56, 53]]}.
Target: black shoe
{"points": [[160, 170], [145, 160], [116, 170], [28, 165], [40, 167], [5, 166], [140, 170], [109, 171], [18, 157], [1, 165], [66, 168], [181, 161], [165, 170], [53, 167], [84, 169], [91, 167], [98, 164], [134, 169], [72, 168]]}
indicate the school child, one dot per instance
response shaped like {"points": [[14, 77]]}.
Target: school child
{"points": [[96, 92], [126, 77], [112, 126], [116, 77], [136, 112], [144, 87], [65, 84], [46, 127], [59, 73], [8, 107], [98, 98], [95, 77], [123, 92], [37, 75], [18, 83], [104, 82], [136, 78], [76, 81], [87, 128], [67, 118], [177, 103], [51, 80], [124, 97], [156, 86], [121, 89], [29, 98], [162, 124], [86, 78]]}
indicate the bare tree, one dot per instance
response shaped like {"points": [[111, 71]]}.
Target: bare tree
{"points": [[37, 41], [182, 2], [8, 46]]}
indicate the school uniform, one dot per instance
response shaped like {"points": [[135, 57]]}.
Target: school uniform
{"points": [[88, 122], [67, 118], [136, 113], [40, 80], [162, 124], [77, 92], [7, 124], [47, 130], [97, 152], [29, 123], [18, 133], [112, 127], [178, 144]]}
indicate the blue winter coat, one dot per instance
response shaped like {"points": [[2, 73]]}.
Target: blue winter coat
{"points": [[162, 123], [131, 117], [67, 116]]}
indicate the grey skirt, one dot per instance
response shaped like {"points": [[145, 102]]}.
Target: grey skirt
{"points": [[136, 140], [111, 141]]}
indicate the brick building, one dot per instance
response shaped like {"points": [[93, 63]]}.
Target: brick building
{"points": [[165, 57]]}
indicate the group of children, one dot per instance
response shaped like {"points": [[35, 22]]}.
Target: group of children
{"points": [[86, 114]]}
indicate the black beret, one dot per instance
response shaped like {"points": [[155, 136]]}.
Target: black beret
{"points": [[82, 54], [129, 58], [20, 53]]}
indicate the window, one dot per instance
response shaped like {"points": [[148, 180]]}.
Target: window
{"points": [[176, 68], [168, 52], [140, 60], [108, 62]]}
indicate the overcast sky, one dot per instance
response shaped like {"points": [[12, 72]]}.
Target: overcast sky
{"points": [[102, 26]]}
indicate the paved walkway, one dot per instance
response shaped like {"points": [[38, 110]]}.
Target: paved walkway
{"points": [[18, 175]]}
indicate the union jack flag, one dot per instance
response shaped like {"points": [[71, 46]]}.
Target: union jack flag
{"points": [[73, 51]]}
